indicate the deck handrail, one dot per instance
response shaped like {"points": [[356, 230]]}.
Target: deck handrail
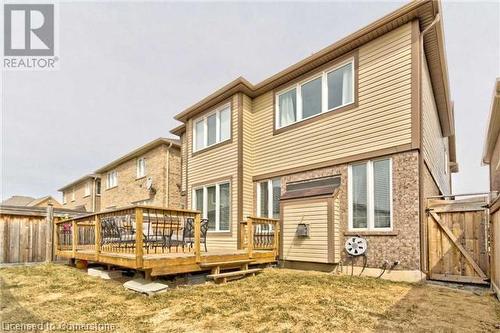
{"points": [[258, 238], [133, 230], [114, 210]]}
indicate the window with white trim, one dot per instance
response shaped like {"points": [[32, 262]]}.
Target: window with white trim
{"points": [[268, 198], [327, 91], [87, 188], [214, 202], [73, 194], [112, 179], [64, 198], [370, 195], [98, 187], [141, 167], [212, 128]]}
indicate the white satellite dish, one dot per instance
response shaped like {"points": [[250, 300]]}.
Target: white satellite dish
{"points": [[149, 183], [355, 246]]}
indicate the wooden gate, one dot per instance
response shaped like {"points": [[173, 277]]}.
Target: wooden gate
{"points": [[457, 232]]}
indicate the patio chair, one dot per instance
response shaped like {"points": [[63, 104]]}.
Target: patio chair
{"points": [[188, 233]]}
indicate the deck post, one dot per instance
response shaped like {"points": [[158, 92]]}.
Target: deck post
{"points": [[250, 237], [197, 236], [139, 240], [97, 237], [74, 241]]}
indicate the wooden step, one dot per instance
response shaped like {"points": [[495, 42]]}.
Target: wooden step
{"points": [[224, 276], [226, 263]]}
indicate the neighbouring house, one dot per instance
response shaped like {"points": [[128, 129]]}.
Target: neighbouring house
{"points": [[83, 194], [347, 142], [491, 152], [24, 201], [491, 157], [148, 175]]}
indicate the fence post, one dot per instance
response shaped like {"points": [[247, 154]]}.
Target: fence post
{"points": [[97, 237], [49, 251], [250, 236], [197, 236], [74, 241], [139, 237]]}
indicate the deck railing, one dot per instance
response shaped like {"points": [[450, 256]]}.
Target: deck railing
{"points": [[136, 231], [259, 233]]}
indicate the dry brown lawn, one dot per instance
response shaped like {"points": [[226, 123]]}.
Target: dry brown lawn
{"points": [[276, 300]]}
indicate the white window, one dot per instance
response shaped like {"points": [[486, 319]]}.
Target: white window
{"points": [[87, 188], [98, 187], [141, 167], [214, 203], [73, 194], [212, 128], [328, 91], [111, 179], [370, 195], [64, 198], [268, 198]]}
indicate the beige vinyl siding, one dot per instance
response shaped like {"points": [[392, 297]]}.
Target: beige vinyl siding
{"points": [[247, 162], [381, 120], [217, 164], [434, 144], [313, 248]]}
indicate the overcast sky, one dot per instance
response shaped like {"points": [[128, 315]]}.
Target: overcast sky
{"points": [[127, 68]]}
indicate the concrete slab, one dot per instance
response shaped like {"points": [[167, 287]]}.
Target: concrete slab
{"points": [[97, 271], [106, 275], [145, 286]]}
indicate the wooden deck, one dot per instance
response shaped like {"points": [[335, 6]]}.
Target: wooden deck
{"points": [[155, 240]]}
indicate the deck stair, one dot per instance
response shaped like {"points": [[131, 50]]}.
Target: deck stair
{"points": [[242, 271]]}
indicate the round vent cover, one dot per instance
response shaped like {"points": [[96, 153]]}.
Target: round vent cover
{"points": [[355, 246]]}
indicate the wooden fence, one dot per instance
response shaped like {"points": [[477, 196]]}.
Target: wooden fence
{"points": [[457, 233], [25, 233]]}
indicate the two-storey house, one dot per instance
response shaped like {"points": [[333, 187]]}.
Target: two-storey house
{"points": [[83, 194], [347, 142], [148, 175]]}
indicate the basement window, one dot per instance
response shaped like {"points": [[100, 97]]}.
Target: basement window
{"points": [[370, 195]]}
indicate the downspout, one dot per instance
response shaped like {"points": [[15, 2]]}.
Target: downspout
{"points": [[94, 189], [423, 259], [167, 177]]}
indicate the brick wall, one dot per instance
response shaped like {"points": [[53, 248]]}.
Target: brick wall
{"points": [[80, 198], [131, 189], [403, 244], [174, 181]]}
